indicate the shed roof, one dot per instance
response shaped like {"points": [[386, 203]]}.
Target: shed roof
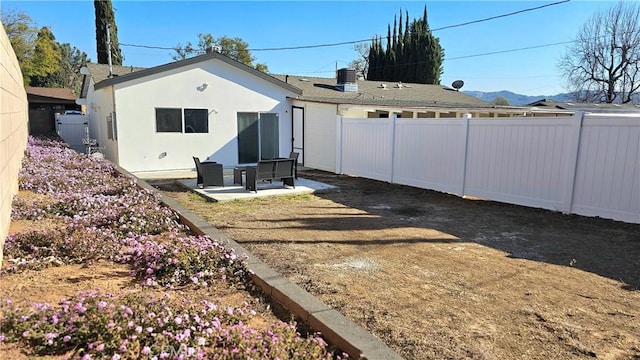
{"points": [[390, 94], [123, 74], [53, 93], [546, 104]]}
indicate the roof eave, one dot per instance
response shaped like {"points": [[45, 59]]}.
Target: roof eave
{"points": [[397, 103], [195, 60]]}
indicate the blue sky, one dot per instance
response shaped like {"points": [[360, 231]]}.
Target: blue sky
{"points": [[269, 24]]}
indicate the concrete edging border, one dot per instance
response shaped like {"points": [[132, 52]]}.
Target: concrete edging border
{"points": [[335, 327]]}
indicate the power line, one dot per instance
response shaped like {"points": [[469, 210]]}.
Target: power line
{"points": [[510, 50], [369, 39], [501, 16]]}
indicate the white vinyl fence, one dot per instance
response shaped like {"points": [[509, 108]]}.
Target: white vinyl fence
{"points": [[73, 129], [587, 164]]}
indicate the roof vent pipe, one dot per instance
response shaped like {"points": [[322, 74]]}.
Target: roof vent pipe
{"points": [[109, 50]]}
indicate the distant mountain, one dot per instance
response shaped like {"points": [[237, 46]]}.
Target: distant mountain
{"points": [[517, 99]]}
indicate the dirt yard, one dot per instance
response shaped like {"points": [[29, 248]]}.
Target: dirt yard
{"points": [[439, 277]]}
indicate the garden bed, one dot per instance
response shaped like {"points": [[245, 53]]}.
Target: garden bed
{"points": [[97, 268]]}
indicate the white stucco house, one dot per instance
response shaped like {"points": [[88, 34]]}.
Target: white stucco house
{"points": [[208, 106], [213, 107]]}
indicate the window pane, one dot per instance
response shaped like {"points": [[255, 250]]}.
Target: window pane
{"points": [[247, 138], [269, 144], [168, 120], [196, 120]]}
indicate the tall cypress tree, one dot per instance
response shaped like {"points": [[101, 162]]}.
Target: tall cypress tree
{"points": [[412, 53], [104, 17]]}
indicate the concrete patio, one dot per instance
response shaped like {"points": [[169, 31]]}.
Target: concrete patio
{"points": [[232, 191]]}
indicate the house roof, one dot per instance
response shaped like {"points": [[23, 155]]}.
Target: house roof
{"points": [[52, 93], [100, 72], [549, 104], [392, 94], [124, 74]]}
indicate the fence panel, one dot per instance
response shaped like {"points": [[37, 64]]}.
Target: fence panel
{"points": [[367, 148], [608, 171], [520, 161], [429, 153], [585, 165]]}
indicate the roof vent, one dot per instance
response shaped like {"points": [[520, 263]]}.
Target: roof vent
{"points": [[383, 86], [399, 85], [347, 80], [213, 48]]}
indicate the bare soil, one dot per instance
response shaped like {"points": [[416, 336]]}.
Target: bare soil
{"points": [[440, 277]]}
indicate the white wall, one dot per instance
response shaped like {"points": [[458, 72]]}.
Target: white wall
{"points": [[229, 91], [584, 165], [319, 135], [99, 106], [14, 122]]}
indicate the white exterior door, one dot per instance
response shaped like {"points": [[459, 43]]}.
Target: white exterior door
{"points": [[298, 133]]}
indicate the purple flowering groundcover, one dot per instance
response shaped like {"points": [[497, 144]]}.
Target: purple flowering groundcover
{"points": [[75, 222]]}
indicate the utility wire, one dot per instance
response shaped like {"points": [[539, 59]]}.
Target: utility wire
{"points": [[501, 16], [366, 40], [510, 50]]}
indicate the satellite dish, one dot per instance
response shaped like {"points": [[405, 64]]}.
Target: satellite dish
{"points": [[457, 84]]}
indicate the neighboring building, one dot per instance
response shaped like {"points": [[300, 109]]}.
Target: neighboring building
{"points": [[208, 106], [548, 107], [44, 104], [376, 99], [323, 100]]}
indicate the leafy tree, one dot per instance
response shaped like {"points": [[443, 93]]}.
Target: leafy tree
{"points": [[361, 65], [22, 33], [234, 48], [603, 64], [501, 101], [412, 53], [105, 17], [68, 75], [43, 61]]}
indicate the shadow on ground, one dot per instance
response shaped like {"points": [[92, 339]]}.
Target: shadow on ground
{"points": [[604, 247]]}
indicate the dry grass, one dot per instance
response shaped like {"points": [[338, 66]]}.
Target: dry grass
{"points": [[436, 276]]}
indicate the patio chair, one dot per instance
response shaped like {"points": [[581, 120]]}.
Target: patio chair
{"points": [[294, 156], [209, 173]]}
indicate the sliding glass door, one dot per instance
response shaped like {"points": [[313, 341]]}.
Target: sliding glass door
{"points": [[257, 137]]}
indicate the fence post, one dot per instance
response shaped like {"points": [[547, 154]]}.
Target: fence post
{"points": [[572, 162], [393, 119], [463, 181], [339, 144]]}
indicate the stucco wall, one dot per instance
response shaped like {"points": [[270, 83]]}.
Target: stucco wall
{"points": [[229, 90], [319, 135], [14, 124]]}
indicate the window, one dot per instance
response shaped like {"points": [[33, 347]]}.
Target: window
{"points": [[168, 120], [196, 121], [173, 119]]}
